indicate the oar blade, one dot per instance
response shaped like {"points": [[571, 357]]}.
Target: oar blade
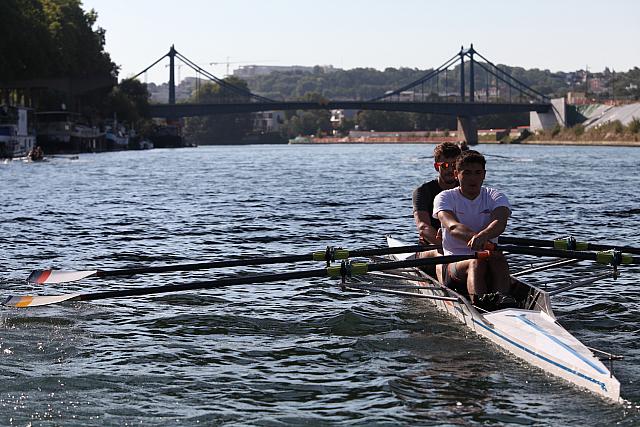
{"points": [[41, 277], [34, 301]]}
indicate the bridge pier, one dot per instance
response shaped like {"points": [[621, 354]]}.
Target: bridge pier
{"points": [[546, 121], [468, 129]]}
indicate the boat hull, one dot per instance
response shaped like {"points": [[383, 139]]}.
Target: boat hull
{"points": [[532, 334]]}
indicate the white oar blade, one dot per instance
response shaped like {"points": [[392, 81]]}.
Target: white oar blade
{"points": [[34, 301], [58, 276], [394, 243]]}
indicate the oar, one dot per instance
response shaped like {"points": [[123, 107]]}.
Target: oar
{"points": [[332, 271], [567, 243], [545, 266], [603, 257], [62, 276]]}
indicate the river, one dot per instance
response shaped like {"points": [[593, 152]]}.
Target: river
{"points": [[301, 352]]}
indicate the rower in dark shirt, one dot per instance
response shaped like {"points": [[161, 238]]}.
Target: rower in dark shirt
{"points": [[444, 156]]}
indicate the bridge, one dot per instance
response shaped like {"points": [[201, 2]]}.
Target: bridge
{"points": [[443, 108], [462, 86]]}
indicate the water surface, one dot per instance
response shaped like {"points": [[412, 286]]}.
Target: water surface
{"points": [[297, 352]]}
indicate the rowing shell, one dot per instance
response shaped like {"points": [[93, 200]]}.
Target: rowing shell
{"points": [[531, 333]]}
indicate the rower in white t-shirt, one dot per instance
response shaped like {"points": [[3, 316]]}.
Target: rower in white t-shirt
{"points": [[471, 215]]}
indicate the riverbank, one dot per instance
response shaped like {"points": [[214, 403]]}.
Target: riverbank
{"points": [[388, 140], [370, 140]]}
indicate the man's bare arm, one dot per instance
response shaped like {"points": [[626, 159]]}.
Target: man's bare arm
{"points": [[496, 227], [455, 227], [428, 234]]}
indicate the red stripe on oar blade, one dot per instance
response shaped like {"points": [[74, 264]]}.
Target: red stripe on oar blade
{"points": [[44, 276], [39, 276], [59, 276]]}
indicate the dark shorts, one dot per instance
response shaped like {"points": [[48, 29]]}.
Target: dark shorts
{"points": [[451, 279]]}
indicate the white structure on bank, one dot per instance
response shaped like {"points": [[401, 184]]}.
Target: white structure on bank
{"points": [[268, 121]]}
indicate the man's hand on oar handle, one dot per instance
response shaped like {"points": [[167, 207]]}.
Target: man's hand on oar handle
{"points": [[487, 250], [490, 246], [478, 242]]}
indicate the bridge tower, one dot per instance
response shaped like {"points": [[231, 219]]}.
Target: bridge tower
{"points": [[467, 125], [461, 73], [172, 80]]}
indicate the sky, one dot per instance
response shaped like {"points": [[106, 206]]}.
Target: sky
{"points": [[558, 35]]}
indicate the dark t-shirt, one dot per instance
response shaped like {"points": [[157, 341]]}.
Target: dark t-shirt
{"points": [[423, 199]]}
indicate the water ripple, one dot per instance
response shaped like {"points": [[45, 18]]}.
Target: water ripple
{"points": [[302, 352]]}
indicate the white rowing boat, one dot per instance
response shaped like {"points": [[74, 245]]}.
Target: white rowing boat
{"points": [[531, 333]]}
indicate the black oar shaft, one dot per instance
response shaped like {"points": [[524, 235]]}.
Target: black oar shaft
{"points": [[203, 265], [266, 278], [560, 253], [255, 261], [552, 244]]}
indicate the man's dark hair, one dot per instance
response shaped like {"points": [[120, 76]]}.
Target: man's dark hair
{"points": [[470, 156], [447, 150]]}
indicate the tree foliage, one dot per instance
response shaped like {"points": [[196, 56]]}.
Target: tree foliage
{"points": [[26, 46], [218, 129], [366, 83], [53, 40], [50, 38], [312, 122], [129, 101]]}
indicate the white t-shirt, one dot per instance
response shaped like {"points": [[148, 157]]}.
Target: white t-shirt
{"points": [[475, 214]]}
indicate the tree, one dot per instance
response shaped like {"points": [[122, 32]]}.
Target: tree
{"points": [[312, 122], [78, 49], [52, 39], [129, 101], [385, 121], [219, 129], [25, 42]]}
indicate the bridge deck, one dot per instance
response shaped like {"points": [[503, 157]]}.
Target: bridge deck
{"points": [[442, 108]]}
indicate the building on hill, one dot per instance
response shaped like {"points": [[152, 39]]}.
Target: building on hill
{"points": [[577, 98], [248, 71], [160, 93]]}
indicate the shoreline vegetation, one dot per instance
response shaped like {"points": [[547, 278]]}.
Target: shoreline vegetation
{"points": [[608, 134], [620, 143]]}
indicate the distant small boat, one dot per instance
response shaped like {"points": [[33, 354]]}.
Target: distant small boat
{"points": [[36, 155], [117, 136]]}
